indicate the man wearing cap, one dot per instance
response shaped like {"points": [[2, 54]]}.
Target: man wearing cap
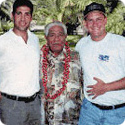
{"points": [[102, 56]]}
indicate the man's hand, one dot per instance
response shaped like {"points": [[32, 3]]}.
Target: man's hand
{"points": [[98, 89]]}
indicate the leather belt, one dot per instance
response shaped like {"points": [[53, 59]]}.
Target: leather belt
{"points": [[18, 98], [109, 107]]}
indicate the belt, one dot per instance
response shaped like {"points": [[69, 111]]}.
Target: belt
{"points": [[109, 107], [18, 98]]}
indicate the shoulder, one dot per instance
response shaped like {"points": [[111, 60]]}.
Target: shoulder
{"points": [[75, 64], [6, 38], [5, 35], [83, 40], [74, 55], [116, 37], [33, 36], [117, 40], [81, 43]]}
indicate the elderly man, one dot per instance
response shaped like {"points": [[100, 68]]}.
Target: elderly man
{"points": [[61, 77], [102, 56], [19, 69]]}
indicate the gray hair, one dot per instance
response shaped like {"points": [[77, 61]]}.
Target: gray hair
{"points": [[56, 23]]}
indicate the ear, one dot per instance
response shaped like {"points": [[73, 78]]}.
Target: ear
{"points": [[31, 18], [45, 37], [84, 23], [105, 20], [11, 16], [66, 36]]}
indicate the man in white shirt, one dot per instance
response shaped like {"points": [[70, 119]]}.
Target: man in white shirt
{"points": [[19, 69], [102, 57]]}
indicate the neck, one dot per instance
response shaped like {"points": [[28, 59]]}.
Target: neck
{"points": [[23, 34], [56, 54], [98, 38]]}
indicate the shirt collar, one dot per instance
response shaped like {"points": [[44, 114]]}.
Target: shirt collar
{"points": [[11, 30]]}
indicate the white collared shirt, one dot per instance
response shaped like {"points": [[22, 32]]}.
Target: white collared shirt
{"points": [[19, 64]]}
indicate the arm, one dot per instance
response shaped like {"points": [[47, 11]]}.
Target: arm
{"points": [[76, 75], [101, 87], [116, 85], [80, 89]]}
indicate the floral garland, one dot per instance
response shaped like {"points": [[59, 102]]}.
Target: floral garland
{"points": [[65, 73]]}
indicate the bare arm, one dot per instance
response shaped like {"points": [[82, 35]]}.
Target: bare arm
{"points": [[101, 87], [116, 85]]}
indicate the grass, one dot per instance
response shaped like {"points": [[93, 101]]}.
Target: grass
{"points": [[72, 39]]}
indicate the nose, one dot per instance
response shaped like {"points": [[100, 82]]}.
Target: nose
{"points": [[94, 23], [22, 17], [57, 37]]}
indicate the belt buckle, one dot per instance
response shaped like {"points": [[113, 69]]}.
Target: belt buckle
{"points": [[113, 106], [34, 95], [17, 97]]}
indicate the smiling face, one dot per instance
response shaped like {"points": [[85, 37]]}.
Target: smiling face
{"points": [[56, 39], [22, 19], [95, 23]]}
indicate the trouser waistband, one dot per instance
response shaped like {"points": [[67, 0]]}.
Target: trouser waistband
{"points": [[18, 98], [109, 107]]}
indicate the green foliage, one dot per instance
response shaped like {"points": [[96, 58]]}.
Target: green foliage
{"points": [[7, 25], [73, 39], [40, 35], [69, 11], [116, 22], [1, 30]]}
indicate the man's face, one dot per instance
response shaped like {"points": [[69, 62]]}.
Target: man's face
{"points": [[22, 18], [95, 23], [56, 39]]}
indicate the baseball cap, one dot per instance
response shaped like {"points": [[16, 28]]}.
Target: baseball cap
{"points": [[92, 7]]}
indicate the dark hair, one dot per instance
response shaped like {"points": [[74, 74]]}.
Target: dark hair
{"points": [[19, 3], [92, 7]]}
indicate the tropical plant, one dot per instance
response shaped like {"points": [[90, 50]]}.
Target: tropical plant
{"points": [[116, 19], [69, 11]]}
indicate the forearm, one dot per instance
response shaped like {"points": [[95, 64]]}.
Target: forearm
{"points": [[101, 87], [116, 85]]}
